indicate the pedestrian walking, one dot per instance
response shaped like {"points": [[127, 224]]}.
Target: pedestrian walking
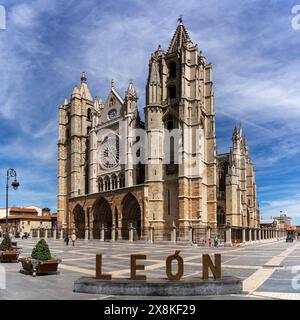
{"points": [[216, 242], [73, 238], [67, 239]]}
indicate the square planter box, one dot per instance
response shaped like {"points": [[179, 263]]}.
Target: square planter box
{"points": [[9, 256], [38, 267]]}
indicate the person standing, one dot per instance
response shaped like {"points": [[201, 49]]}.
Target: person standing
{"points": [[216, 242], [73, 238], [67, 239]]}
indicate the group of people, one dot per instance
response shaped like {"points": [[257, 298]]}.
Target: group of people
{"points": [[73, 239]]}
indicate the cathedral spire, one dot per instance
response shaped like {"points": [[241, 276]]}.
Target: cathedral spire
{"points": [[84, 89], [83, 77], [180, 37], [131, 89]]}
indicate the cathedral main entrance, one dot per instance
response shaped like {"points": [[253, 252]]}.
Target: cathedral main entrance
{"points": [[102, 216], [131, 215], [79, 221]]}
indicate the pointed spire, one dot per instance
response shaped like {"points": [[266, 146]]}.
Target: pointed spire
{"points": [[113, 83], [83, 77], [84, 89], [180, 37], [96, 104], [66, 102], [131, 88], [76, 91], [131, 92], [100, 103]]}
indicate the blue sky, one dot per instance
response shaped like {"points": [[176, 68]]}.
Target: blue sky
{"points": [[255, 56]]}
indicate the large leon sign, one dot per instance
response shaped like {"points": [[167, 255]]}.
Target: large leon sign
{"points": [[207, 264]]}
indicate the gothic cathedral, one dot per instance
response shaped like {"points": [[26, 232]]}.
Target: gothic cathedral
{"points": [[111, 181]]}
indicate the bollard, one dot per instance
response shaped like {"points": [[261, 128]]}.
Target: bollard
{"points": [[130, 232], [173, 232], [150, 234], [228, 242], [102, 233]]}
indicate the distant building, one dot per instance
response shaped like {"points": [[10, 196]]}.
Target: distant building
{"points": [[26, 219], [283, 219]]}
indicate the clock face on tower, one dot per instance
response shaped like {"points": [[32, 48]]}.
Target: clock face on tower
{"points": [[112, 114], [109, 153]]}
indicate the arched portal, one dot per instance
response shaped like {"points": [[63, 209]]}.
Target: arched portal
{"points": [[131, 214], [102, 216], [79, 221]]}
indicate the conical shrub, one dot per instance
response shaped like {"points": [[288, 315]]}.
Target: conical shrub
{"points": [[41, 251], [5, 244]]}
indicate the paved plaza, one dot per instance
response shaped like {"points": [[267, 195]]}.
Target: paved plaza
{"points": [[269, 268]]}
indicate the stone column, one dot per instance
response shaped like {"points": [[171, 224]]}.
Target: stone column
{"points": [[190, 234], [61, 234], [102, 233], [254, 234], [46, 234], [259, 234], [86, 234], [113, 233], [208, 234], [262, 234], [130, 232], [150, 234], [228, 242], [243, 235], [250, 235], [38, 233], [54, 233], [173, 232]]}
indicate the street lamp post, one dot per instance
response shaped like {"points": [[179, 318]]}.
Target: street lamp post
{"points": [[11, 173]]}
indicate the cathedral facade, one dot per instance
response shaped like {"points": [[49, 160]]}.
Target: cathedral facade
{"points": [[118, 172]]}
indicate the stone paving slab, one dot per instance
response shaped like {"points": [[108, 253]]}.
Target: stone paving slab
{"points": [[243, 261]]}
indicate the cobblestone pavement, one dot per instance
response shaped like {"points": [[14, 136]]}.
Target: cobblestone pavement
{"points": [[269, 269]]}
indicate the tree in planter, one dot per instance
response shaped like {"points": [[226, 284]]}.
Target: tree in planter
{"points": [[5, 244], [41, 251]]}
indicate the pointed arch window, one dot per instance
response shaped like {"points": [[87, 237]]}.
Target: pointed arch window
{"points": [[220, 217], [222, 178], [122, 180], [172, 92], [172, 70], [100, 185], [172, 156], [114, 182], [89, 114], [106, 183]]}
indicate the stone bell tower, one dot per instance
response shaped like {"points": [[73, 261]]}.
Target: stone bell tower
{"points": [[75, 121], [180, 96]]}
